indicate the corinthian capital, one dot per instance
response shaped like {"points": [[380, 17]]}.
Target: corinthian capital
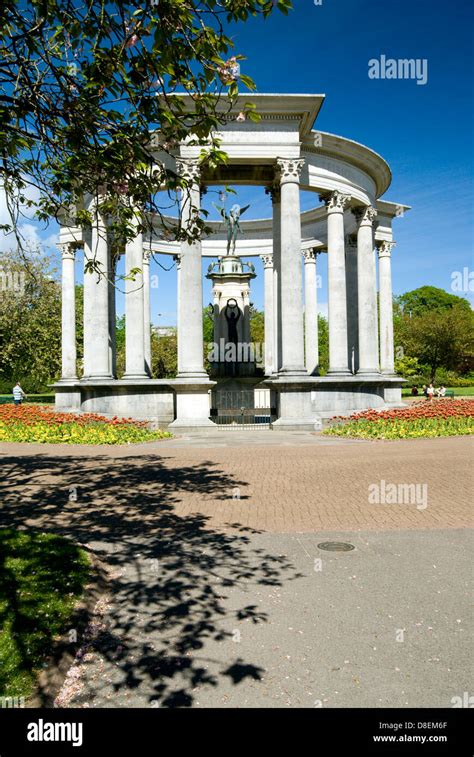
{"points": [[68, 251], [337, 201], [189, 169], [310, 256], [289, 169], [267, 261], [365, 215], [384, 249]]}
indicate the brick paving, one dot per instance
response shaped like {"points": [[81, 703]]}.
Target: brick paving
{"points": [[216, 602], [287, 483]]}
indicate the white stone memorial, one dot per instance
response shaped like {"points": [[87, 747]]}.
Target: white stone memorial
{"points": [[353, 227]]}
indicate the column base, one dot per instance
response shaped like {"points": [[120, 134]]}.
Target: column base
{"points": [[339, 372], [193, 406], [368, 373], [297, 424], [134, 376], [294, 407], [183, 375], [290, 372]]}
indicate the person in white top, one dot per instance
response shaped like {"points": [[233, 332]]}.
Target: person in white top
{"points": [[18, 394]]}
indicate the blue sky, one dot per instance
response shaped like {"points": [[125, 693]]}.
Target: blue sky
{"points": [[424, 132]]}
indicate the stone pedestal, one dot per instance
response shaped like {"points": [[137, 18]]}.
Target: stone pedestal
{"points": [[192, 405], [231, 294], [294, 408]]}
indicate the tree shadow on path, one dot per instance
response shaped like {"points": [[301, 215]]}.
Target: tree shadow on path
{"points": [[170, 574]]}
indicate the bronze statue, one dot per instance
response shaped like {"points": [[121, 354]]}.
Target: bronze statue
{"points": [[232, 223], [232, 319]]}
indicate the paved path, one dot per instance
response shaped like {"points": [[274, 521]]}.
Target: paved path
{"points": [[216, 601], [283, 482]]}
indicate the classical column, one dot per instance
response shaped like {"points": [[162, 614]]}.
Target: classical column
{"points": [[68, 314], [291, 271], [134, 307], [147, 310], [88, 305], [311, 312], [337, 307], [177, 260], [190, 326], [96, 301], [112, 316], [387, 365], [352, 303], [274, 192], [367, 292], [269, 314]]}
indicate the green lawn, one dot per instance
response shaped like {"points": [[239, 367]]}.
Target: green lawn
{"points": [[459, 391], [47, 397], [41, 578]]}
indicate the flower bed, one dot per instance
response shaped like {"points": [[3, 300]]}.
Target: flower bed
{"points": [[422, 419], [38, 423]]}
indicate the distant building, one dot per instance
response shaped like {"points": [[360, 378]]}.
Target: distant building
{"points": [[164, 330]]}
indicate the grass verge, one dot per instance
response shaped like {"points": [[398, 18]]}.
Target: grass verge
{"points": [[42, 577]]}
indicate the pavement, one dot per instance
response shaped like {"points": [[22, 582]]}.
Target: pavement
{"points": [[219, 592]]}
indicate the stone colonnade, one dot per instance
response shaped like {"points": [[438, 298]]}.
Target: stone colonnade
{"points": [[291, 346]]}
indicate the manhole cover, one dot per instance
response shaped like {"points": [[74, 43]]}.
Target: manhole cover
{"points": [[336, 546]]}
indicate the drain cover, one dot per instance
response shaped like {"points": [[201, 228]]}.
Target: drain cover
{"points": [[336, 546]]}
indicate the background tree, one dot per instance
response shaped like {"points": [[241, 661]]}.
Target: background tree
{"points": [[257, 326], [428, 299], [439, 338], [323, 334], [30, 323], [164, 356], [435, 328], [120, 345], [85, 84]]}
